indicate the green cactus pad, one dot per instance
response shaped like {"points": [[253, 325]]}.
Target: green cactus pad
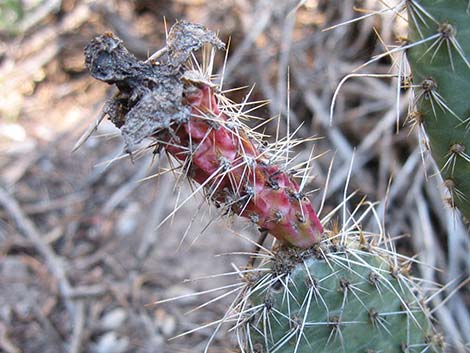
{"points": [[441, 77], [335, 299]]}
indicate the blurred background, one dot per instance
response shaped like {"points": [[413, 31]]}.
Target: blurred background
{"points": [[81, 258]]}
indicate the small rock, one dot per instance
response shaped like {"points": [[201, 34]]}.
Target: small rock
{"points": [[113, 319], [13, 132], [110, 343], [165, 322]]}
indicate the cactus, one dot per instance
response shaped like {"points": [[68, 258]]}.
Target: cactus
{"points": [[180, 110], [320, 291], [438, 53], [346, 296]]}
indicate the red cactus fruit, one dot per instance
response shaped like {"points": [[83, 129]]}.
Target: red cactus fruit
{"points": [[166, 101], [237, 174]]}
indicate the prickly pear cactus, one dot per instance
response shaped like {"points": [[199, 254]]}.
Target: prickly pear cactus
{"points": [[341, 294], [439, 55], [349, 297]]}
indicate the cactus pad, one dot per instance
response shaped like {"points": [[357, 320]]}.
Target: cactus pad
{"points": [[349, 298], [439, 56]]}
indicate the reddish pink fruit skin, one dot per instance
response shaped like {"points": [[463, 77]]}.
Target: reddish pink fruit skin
{"points": [[241, 177]]}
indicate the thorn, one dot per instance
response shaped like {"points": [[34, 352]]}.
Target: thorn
{"points": [[373, 278]]}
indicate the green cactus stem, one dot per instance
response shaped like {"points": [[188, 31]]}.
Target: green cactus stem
{"points": [[439, 40], [350, 298]]}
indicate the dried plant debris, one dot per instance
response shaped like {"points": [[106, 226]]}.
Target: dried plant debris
{"points": [[185, 38], [150, 93]]}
